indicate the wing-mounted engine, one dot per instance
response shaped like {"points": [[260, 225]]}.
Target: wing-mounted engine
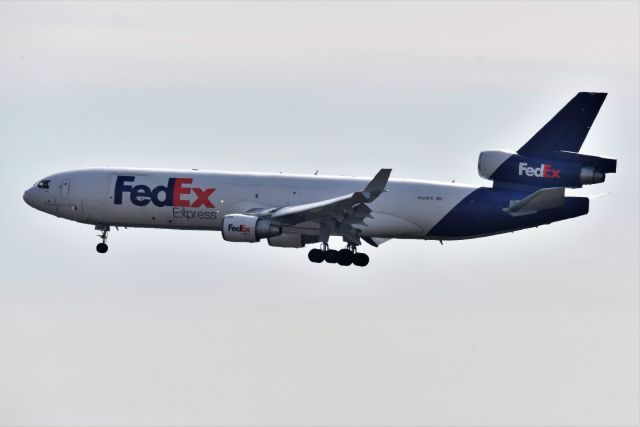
{"points": [[248, 228], [555, 169], [292, 240]]}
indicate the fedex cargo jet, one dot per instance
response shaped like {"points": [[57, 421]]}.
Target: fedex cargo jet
{"points": [[292, 211]]}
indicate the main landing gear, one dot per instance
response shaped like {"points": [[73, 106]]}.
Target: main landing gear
{"points": [[344, 257], [102, 247]]}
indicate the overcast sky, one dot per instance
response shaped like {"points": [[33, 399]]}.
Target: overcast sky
{"points": [[538, 327]]}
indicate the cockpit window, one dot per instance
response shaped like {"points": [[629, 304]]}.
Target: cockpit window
{"points": [[43, 184]]}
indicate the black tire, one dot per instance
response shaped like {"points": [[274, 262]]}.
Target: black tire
{"points": [[316, 255], [360, 259], [345, 257], [102, 248], [331, 256]]}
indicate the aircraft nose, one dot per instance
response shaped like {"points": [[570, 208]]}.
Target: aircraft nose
{"points": [[28, 197]]}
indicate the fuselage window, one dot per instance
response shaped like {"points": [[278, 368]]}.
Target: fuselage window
{"points": [[44, 184]]}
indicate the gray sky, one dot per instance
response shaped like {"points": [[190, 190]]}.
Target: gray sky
{"points": [[172, 328]]}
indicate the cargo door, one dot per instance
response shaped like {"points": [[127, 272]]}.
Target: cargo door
{"points": [[65, 187]]}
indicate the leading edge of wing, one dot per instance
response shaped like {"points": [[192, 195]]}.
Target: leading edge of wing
{"points": [[327, 207]]}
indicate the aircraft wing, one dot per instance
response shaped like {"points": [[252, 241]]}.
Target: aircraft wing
{"points": [[546, 198], [337, 215]]}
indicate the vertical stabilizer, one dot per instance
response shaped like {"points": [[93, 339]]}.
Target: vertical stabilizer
{"points": [[567, 130]]}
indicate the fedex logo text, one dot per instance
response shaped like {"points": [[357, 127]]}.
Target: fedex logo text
{"points": [[544, 171], [240, 228], [175, 193]]}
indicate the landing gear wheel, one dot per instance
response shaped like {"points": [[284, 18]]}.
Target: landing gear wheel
{"points": [[104, 231], [316, 255], [331, 256], [345, 257], [360, 259]]}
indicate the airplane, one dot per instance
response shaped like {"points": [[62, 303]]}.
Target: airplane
{"points": [[292, 211]]}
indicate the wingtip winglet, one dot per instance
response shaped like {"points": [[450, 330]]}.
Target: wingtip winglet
{"points": [[379, 182]]}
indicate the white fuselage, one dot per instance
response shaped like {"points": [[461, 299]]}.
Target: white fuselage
{"points": [[200, 199]]}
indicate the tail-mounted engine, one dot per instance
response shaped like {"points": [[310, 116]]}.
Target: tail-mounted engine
{"points": [[557, 169], [248, 228]]}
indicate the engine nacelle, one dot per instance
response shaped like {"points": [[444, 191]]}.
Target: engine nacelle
{"points": [[287, 240], [248, 228], [559, 169], [292, 240]]}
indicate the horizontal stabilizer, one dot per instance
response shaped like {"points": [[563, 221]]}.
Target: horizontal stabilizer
{"points": [[597, 196], [546, 198]]}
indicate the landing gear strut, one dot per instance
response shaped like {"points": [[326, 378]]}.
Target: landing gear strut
{"points": [[319, 255], [102, 247], [344, 257]]}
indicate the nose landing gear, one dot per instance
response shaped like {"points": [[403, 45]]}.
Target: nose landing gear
{"points": [[102, 247], [344, 257]]}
